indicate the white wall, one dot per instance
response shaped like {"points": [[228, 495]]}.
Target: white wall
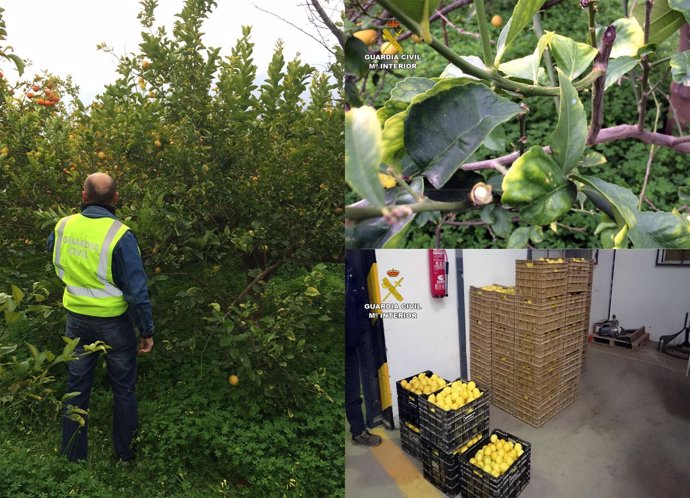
{"points": [[431, 341], [601, 283], [487, 267], [645, 294]]}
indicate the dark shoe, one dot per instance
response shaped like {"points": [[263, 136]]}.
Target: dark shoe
{"points": [[366, 439]]}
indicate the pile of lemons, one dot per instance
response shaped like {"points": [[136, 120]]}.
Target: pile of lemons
{"points": [[421, 384], [469, 444], [552, 261], [499, 288], [497, 456], [455, 395]]}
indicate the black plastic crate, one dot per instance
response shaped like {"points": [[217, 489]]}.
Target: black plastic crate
{"points": [[450, 429], [475, 423], [411, 441], [441, 469], [479, 484], [408, 402]]}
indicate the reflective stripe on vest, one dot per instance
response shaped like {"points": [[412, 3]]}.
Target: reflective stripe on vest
{"points": [[103, 298]]}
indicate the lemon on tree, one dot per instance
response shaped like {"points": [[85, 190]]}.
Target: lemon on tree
{"points": [[387, 48], [366, 36]]}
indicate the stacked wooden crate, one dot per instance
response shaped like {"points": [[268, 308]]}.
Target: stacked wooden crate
{"points": [[481, 309], [527, 342], [580, 292]]}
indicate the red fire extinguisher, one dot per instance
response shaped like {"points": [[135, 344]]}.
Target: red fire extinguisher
{"points": [[438, 272]]}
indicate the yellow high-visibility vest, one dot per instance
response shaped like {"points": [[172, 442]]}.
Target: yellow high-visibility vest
{"points": [[83, 257]]}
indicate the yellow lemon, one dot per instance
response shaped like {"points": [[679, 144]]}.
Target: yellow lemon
{"points": [[388, 49], [367, 36], [233, 380]]}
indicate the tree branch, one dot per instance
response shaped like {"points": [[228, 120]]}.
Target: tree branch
{"points": [[601, 61], [320, 42], [620, 132], [329, 23], [642, 108], [359, 213]]}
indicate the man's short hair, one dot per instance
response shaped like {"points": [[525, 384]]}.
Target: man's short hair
{"points": [[100, 194]]}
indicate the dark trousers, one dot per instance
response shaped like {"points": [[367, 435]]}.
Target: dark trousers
{"points": [[353, 387], [121, 360]]}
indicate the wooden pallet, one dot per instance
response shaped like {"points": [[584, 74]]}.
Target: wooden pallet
{"points": [[641, 340]]}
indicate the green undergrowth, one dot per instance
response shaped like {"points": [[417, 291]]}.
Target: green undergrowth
{"points": [[198, 435]]}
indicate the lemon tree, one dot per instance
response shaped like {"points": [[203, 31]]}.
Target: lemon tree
{"points": [[441, 137]]}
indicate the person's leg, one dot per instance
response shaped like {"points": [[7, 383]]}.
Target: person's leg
{"points": [[353, 402], [353, 398], [122, 370], [80, 376]]}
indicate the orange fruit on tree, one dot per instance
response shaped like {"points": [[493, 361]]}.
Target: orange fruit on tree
{"points": [[35, 88], [497, 21], [145, 65], [233, 380]]}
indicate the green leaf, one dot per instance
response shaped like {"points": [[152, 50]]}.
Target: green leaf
{"points": [[522, 15], [682, 6], [355, 52], [537, 183], [569, 138], [441, 145], [684, 194], [590, 159], [572, 57], [312, 292], [618, 68], [393, 144], [352, 96], [629, 38], [519, 238], [17, 294], [501, 220], [7, 349], [661, 230], [17, 62], [542, 44], [536, 234], [618, 203], [665, 21], [363, 154], [402, 95], [415, 9], [496, 140], [452, 71], [524, 68], [680, 67]]}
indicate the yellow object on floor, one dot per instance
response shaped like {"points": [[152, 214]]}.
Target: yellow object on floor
{"points": [[402, 469]]}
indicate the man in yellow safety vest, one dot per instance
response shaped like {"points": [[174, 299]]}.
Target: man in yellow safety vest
{"points": [[98, 259]]}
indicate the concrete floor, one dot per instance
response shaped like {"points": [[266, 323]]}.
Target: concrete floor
{"points": [[627, 435]]}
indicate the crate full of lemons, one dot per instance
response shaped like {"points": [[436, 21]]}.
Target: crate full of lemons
{"points": [[451, 416], [410, 389], [497, 466]]}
